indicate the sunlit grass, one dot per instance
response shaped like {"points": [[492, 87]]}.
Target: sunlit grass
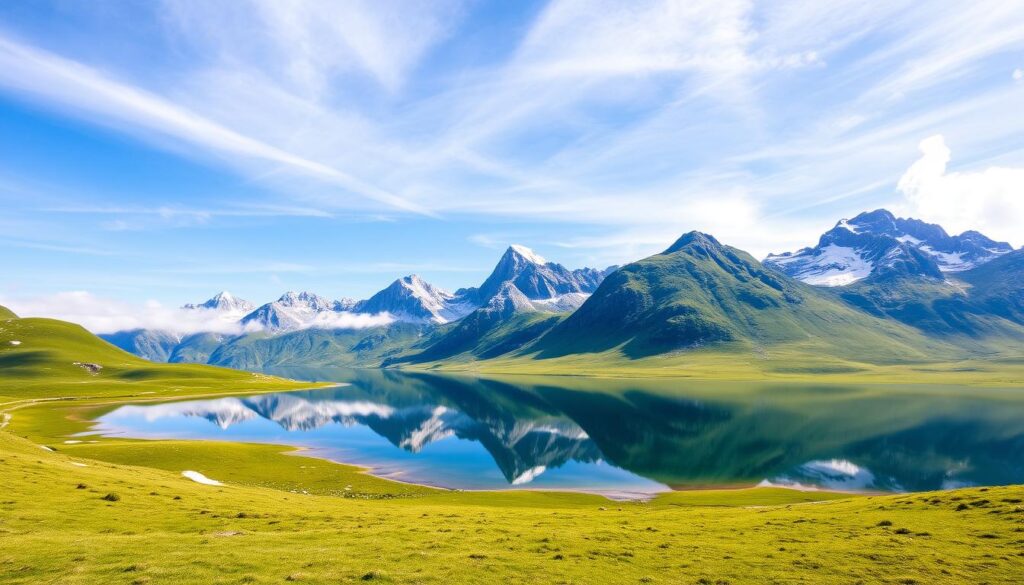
{"points": [[119, 511], [797, 362]]}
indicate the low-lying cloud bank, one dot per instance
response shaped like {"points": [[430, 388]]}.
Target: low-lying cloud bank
{"points": [[103, 315], [347, 320]]}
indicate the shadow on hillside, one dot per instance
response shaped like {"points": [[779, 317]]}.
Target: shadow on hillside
{"points": [[25, 359]]}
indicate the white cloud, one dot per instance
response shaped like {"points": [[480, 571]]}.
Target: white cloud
{"points": [[1018, 75], [346, 320], [990, 200], [76, 87], [734, 218], [574, 38], [311, 42], [103, 315]]}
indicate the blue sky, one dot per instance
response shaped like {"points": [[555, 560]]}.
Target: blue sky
{"points": [[162, 151]]}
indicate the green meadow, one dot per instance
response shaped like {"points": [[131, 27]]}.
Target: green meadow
{"points": [[798, 362], [110, 510]]}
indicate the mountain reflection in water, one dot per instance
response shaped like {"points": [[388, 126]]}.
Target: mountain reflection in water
{"points": [[619, 436]]}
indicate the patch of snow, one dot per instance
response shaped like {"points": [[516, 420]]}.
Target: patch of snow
{"points": [[784, 258], [845, 224], [948, 262], [837, 474], [72, 442], [529, 254], [561, 303], [77, 464], [955, 484], [573, 432], [442, 306], [432, 429], [200, 478], [792, 485], [529, 475], [835, 266], [45, 448], [15, 342], [890, 257], [456, 309], [908, 239]]}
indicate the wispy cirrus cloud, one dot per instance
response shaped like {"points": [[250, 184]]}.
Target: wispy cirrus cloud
{"points": [[308, 44], [634, 118], [59, 247], [84, 91], [170, 212]]}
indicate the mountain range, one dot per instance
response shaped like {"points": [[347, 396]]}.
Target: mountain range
{"points": [[522, 280], [876, 288], [877, 242]]}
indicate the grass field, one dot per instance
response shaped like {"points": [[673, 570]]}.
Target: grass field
{"points": [[119, 511], [792, 361]]}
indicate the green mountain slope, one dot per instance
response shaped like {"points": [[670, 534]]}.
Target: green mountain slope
{"points": [[154, 345], [481, 335], [318, 347], [6, 313], [998, 286], [982, 303], [197, 348], [700, 293]]}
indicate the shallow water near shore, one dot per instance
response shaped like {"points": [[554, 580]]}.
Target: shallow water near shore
{"points": [[620, 437]]}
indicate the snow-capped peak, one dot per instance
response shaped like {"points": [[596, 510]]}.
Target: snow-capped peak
{"points": [[433, 298], [528, 254], [877, 241], [305, 298], [411, 298], [224, 302]]}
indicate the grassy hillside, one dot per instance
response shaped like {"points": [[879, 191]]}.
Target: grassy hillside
{"points": [[6, 313], [798, 362], [48, 359], [482, 335]]}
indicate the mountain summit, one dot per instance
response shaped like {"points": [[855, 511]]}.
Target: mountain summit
{"points": [[535, 277], [224, 302], [413, 299], [877, 243], [291, 311]]}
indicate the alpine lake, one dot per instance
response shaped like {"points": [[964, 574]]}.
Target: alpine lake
{"points": [[623, 438]]}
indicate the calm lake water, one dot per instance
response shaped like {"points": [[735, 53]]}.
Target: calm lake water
{"points": [[622, 437]]}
